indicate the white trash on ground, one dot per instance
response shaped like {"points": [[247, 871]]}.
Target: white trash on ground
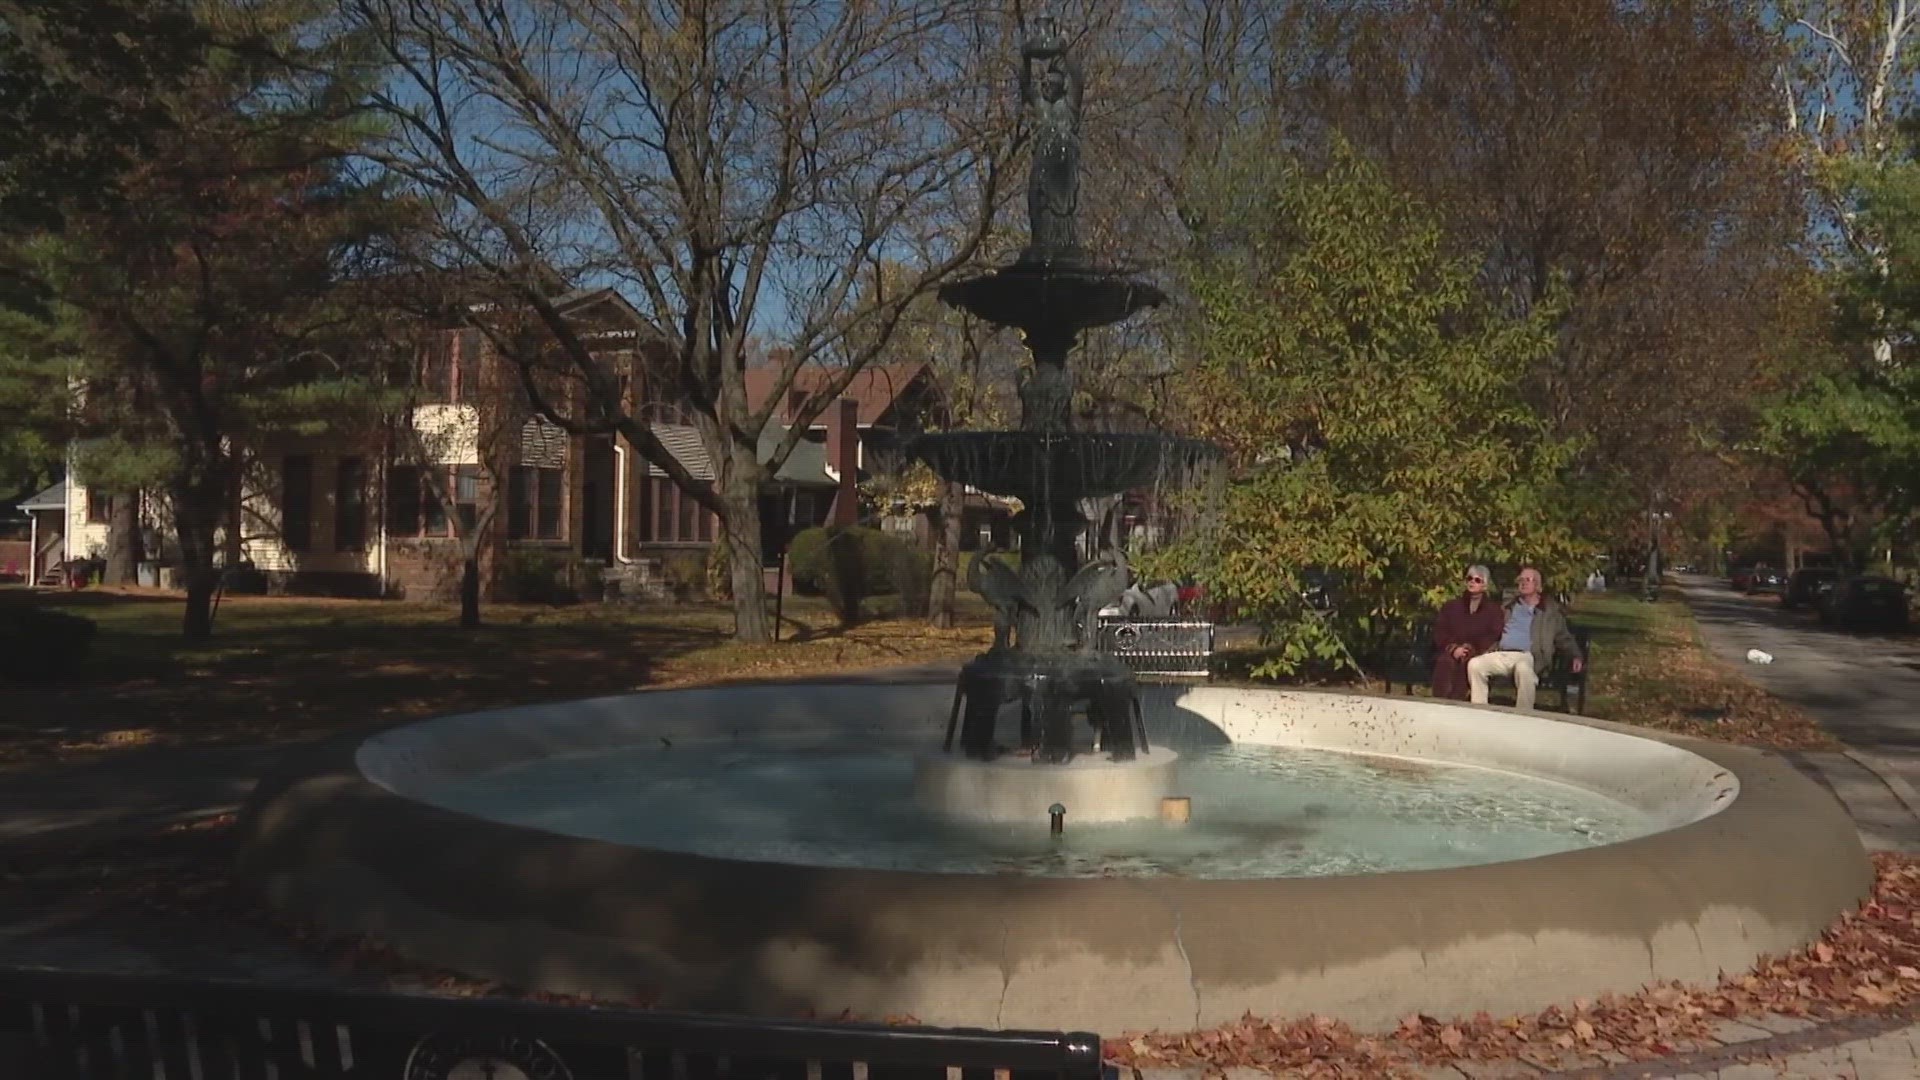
{"points": [[1755, 656]]}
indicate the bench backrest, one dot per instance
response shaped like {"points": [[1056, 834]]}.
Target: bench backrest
{"points": [[83, 1027]]}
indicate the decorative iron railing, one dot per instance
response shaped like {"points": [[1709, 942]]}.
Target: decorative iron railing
{"points": [[1164, 647]]}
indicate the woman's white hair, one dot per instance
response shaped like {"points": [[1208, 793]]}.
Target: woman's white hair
{"points": [[1486, 575]]}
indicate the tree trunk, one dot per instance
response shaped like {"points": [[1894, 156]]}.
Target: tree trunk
{"points": [[200, 495], [123, 542], [740, 531], [470, 591], [946, 555]]}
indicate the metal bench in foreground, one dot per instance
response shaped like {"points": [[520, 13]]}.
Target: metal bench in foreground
{"points": [[61, 1026]]}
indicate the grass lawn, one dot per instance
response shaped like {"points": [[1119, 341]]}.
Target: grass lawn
{"points": [[1651, 670], [286, 669]]}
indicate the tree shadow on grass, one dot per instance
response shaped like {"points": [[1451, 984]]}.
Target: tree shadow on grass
{"points": [[291, 670]]}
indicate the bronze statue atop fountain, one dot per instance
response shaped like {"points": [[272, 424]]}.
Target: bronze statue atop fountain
{"points": [[1053, 110]]}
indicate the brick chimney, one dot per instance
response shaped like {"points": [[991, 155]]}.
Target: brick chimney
{"points": [[843, 453]]}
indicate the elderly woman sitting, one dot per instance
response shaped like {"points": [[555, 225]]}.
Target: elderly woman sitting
{"points": [[1467, 625]]}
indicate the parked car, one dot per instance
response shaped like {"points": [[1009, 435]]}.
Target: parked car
{"points": [[1807, 585], [1766, 579], [1866, 601], [1740, 577]]}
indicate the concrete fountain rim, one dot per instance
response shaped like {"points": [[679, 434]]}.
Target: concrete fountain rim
{"points": [[1765, 873]]}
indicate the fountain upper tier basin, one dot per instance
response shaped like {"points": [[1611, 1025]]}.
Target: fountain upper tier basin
{"points": [[1077, 465], [1051, 300], [1738, 856]]}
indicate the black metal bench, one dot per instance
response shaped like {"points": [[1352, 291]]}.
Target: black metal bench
{"points": [[1166, 647], [59, 1026], [1410, 663]]}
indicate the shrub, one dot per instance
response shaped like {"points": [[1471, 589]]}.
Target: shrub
{"points": [[849, 564], [685, 573], [535, 577], [719, 572], [912, 573], [39, 646]]}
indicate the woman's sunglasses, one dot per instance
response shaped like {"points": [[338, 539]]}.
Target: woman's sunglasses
{"points": [[1474, 580]]}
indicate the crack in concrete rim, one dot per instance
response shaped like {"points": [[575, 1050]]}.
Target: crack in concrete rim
{"points": [[1179, 941]]}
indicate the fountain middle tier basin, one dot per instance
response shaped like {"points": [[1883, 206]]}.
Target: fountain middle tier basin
{"points": [[763, 850], [1052, 299], [1034, 465]]}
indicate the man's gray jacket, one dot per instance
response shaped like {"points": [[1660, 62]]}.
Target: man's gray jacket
{"points": [[1549, 634]]}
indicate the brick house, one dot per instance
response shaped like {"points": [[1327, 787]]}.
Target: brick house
{"points": [[388, 510]]}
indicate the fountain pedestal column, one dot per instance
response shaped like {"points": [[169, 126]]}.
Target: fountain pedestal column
{"points": [[1051, 692]]}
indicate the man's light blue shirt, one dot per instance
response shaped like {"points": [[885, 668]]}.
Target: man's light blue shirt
{"points": [[1518, 636]]}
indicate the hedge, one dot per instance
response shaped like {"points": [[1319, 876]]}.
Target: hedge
{"points": [[849, 564]]}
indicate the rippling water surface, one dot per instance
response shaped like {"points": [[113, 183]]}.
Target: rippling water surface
{"points": [[1258, 812]]}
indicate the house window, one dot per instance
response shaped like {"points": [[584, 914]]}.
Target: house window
{"points": [[658, 525], [350, 504], [403, 501], [706, 524], [466, 497], [519, 505], [686, 515], [436, 367], [296, 502], [547, 523], [433, 512], [99, 507], [535, 499]]}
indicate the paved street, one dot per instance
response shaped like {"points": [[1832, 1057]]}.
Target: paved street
{"points": [[1863, 687]]}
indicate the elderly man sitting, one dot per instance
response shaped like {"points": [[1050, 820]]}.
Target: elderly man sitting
{"points": [[1536, 630]]}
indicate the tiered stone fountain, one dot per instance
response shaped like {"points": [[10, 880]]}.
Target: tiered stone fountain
{"points": [[1045, 612]]}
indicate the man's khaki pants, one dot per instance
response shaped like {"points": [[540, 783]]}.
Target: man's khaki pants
{"points": [[1506, 662]]}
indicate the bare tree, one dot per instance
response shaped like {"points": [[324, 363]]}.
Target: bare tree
{"points": [[1620, 161], [459, 449], [735, 168]]}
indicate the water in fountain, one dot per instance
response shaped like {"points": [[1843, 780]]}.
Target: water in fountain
{"points": [[1263, 812], [1042, 662]]}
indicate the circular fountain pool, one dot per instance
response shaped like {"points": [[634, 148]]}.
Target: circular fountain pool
{"points": [[759, 849], [1258, 812]]}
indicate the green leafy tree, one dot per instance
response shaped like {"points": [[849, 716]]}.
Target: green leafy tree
{"points": [[33, 401], [206, 257], [1368, 396], [1846, 434]]}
